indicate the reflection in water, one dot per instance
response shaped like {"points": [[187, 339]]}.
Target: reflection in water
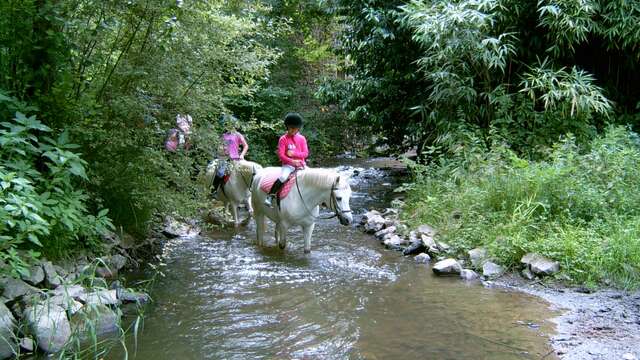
{"points": [[225, 298]]}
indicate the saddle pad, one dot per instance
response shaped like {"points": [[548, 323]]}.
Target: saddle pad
{"points": [[226, 178], [267, 182]]}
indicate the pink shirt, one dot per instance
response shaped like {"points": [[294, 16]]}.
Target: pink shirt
{"points": [[232, 143], [296, 143]]}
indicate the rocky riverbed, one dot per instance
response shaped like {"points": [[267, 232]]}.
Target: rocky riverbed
{"points": [[594, 325], [60, 306]]}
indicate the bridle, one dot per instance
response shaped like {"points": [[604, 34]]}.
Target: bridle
{"points": [[333, 201]]}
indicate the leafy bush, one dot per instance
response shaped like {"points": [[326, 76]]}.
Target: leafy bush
{"points": [[580, 207], [41, 207]]}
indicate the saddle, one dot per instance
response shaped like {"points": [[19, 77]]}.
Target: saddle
{"points": [[267, 182]]}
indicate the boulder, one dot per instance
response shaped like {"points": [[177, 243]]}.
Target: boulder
{"points": [[426, 230], [540, 265], [7, 326], [444, 247], [173, 228], [374, 223], [127, 296], [36, 275], [380, 234], [74, 291], [367, 215], [15, 288], [117, 262], [100, 297], [428, 241], [66, 302], [423, 258], [468, 275], [52, 279], [490, 269], [477, 257], [395, 242], [415, 247], [447, 267], [96, 318], [27, 345], [49, 325], [106, 272], [527, 274]]}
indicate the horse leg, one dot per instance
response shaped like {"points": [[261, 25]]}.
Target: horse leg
{"points": [[249, 207], [282, 236], [260, 229], [234, 211], [308, 230]]}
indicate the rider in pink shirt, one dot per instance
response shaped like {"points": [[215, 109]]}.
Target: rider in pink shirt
{"points": [[292, 151], [231, 142]]}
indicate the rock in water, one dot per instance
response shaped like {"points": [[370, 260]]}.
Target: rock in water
{"points": [[540, 265], [447, 267], [98, 318], [423, 258], [50, 326], [416, 247], [468, 275]]}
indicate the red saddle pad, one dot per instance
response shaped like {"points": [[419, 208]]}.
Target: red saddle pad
{"points": [[267, 182]]}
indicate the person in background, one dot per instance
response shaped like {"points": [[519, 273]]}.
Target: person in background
{"points": [[231, 142], [184, 123], [172, 141], [292, 151]]}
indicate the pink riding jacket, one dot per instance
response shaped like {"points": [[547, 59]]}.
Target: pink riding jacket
{"points": [[297, 144]]}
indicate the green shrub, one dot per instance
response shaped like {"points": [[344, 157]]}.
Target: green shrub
{"points": [[41, 207], [580, 207]]}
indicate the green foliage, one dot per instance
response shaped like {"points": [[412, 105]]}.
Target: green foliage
{"points": [[577, 207], [41, 208]]}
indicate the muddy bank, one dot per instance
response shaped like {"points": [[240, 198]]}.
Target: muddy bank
{"points": [[601, 325]]}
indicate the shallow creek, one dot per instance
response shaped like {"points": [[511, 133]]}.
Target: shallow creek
{"points": [[225, 298]]}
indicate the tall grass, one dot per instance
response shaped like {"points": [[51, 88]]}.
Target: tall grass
{"points": [[579, 205]]}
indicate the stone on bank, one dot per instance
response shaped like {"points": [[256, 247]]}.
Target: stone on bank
{"points": [[447, 267]]}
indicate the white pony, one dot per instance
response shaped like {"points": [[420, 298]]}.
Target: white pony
{"points": [[302, 205], [238, 188]]}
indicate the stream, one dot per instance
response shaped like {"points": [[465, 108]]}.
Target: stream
{"points": [[223, 297]]}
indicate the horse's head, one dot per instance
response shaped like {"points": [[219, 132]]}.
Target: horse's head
{"points": [[339, 202]]}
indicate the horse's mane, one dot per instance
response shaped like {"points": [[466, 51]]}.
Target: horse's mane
{"points": [[318, 177], [246, 168]]}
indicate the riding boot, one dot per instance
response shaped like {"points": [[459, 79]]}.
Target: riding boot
{"points": [[275, 188], [217, 180]]}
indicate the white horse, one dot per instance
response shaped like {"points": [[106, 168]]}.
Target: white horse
{"points": [[302, 205], [238, 189]]}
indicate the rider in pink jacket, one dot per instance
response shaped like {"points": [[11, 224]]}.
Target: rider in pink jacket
{"points": [[292, 151]]}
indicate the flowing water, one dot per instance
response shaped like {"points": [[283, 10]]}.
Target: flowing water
{"points": [[223, 297]]}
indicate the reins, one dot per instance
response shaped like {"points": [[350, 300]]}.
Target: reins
{"points": [[332, 201]]}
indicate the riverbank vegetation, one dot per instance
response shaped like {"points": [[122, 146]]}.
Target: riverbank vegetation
{"points": [[524, 115], [579, 206]]}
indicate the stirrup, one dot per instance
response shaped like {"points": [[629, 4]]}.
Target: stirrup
{"points": [[268, 201]]}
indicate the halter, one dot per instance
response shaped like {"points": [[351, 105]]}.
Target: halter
{"points": [[332, 201]]}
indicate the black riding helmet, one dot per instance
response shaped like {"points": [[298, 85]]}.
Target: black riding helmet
{"points": [[293, 120]]}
